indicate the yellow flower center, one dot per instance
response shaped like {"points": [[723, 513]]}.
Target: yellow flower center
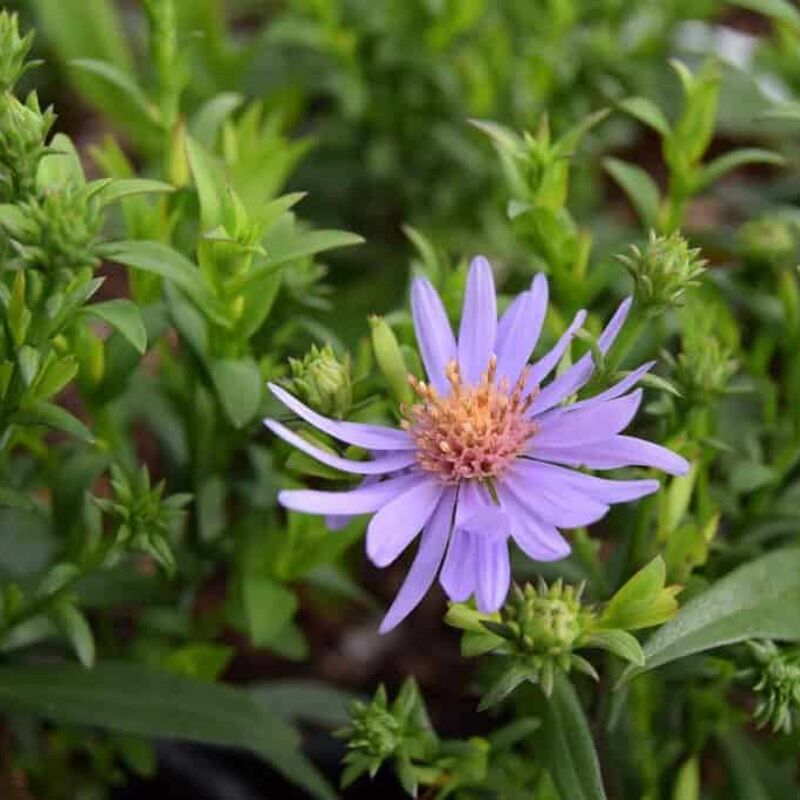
{"points": [[473, 432]]}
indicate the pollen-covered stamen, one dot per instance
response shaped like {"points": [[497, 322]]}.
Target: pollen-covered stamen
{"points": [[473, 432]]}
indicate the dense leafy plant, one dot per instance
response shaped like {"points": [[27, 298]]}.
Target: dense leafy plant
{"points": [[155, 278]]}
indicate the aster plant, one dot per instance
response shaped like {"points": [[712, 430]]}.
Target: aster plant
{"points": [[488, 452]]}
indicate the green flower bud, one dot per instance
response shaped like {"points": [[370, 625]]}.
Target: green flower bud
{"points": [[143, 516], [373, 729], [545, 621], [662, 271], [59, 232], [14, 50], [24, 127], [704, 369], [768, 241], [323, 381], [390, 360], [778, 686], [378, 732]]}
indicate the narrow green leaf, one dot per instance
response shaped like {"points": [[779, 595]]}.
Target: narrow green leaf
{"points": [[119, 79], [239, 387], [308, 243], [125, 316], [726, 163], [53, 416], [210, 183], [132, 698], [160, 259], [306, 700], [647, 112], [641, 189], [758, 600], [207, 120], [112, 191], [564, 744], [687, 781], [619, 642], [73, 625]]}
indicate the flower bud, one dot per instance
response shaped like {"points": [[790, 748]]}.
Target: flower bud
{"points": [[390, 360], [704, 369], [60, 231], [378, 732], [24, 127], [13, 50], [323, 381], [768, 241], [662, 271], [778, 687]]}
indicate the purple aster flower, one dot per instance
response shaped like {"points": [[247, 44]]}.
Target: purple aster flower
{"points": [[487, 452]]}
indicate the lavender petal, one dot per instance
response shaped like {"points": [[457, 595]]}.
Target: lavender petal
{"points": [[373, 437], [426, 562], [434, 335], [580, 372], [476, 335], [362, 500], [590, 423], [614, 452], [379, 466], [392, 529], [519, 329]]}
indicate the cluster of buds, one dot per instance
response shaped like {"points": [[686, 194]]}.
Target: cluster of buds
{"points": [[778, 685], [540, 628], [322, 380], [144, 518], [662, 271], [23, 126], [57, 232], [703, 370], [14, 51], [769, 241], [379, 731]]}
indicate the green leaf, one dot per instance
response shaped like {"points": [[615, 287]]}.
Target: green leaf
{"points": [[61, 165], [239, 387], [564, 744], [207, 121], [640, 188], [758, 600], [160, 259], [53, 416], [724, 164], [120, 80], [619, 642], [504, 137], [687, 782], [306, 700], [112, 191], [132, 698], [73, 625], [210, 183], [304, 244], [647, 112], [643, 601], [268, 607], [125, 316], [12, 218]]}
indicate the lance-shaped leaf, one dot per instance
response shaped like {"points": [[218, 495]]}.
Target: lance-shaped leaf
{"points": [[758, 600], [131, 698], [564, 744]]}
